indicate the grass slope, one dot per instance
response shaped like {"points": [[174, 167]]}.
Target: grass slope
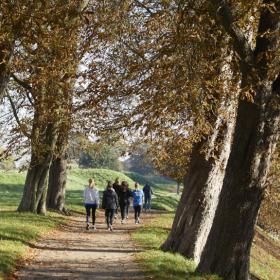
{"points": [[17, 230], [161, 265], [265, 261]]}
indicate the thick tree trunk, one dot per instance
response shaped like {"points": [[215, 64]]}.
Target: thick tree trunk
{"points": [[57, 184], [34, 193], [34, 186], [199, 200], [227, 250]]}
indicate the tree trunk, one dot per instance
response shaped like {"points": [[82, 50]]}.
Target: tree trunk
{"points": [[35, 185], [202, 185], [227, 250], [57, 184], [178, 188], [33, 199]]}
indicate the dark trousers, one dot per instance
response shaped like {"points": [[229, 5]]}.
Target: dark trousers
{"points": [[137, 211], [147, 202], [109, 214], [93, 208], [124, 210]]}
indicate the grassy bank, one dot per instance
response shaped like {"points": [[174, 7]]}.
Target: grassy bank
{"points": [[264, 262], [18, 230], [161, 265]]}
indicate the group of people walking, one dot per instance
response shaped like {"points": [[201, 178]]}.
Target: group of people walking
{"points": [[117, 196]]}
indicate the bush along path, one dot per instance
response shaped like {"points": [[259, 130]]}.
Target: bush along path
{"points": [[72, 252]]}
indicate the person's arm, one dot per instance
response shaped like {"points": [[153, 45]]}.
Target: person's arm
{"points": [[97, 198], [117, 200], [152, 191], [103, 200]]}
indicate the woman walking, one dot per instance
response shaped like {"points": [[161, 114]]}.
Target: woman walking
{"points": [[138, 196], [110, 204], [91, 201], [124, 197]]}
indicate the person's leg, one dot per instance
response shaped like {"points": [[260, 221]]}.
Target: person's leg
{"points": [[126, 211], [139, 212], [112, 213], [149, 203], [145, 202], [122, 206], [135, 213], [94, 214], [107, 211], [87, 214]]}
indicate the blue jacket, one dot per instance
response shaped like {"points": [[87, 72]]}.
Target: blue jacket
{"points": [[137, 197]]}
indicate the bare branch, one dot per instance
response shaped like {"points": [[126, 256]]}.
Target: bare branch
{"points": [[142, 5], [21, 82], [16, 116], [26, 86]]}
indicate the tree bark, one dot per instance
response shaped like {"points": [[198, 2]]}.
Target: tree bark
{"points": [[33, 199], [227, 250], [57, 184], [202, 185]]}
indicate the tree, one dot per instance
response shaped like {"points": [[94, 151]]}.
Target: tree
{"points": [[139, 160], [55, 60], [162, 70], [253, 144], [100, 155], [170, 63]]}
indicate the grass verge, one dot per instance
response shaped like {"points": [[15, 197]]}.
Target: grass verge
{"points": [[265, 258], [158, 264]]}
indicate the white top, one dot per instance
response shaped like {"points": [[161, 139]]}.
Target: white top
{"points": [[91, 195]]}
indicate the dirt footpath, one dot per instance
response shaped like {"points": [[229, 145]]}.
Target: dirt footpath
{"points": [[72, 252]]}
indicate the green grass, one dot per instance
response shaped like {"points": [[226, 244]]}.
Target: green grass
{"points": [[163, 265], [17, 230], [158, 264], [155, 181]]}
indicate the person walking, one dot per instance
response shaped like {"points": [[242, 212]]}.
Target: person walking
{"points": [[117, 187], [147, 197], [91, 202], [138, 196], [110, 204], [124, 200]]}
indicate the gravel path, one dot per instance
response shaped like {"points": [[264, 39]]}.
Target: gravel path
{"points": [[71, 252]]}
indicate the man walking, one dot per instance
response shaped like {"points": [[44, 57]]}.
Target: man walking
{"points": [[147, 197]]}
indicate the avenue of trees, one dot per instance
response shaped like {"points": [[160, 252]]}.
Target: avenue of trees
{"points": [[198, 81]]}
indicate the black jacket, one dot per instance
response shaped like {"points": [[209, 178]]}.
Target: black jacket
{"points": [[117, 188], [148, 191], [124, 197], [110, 200]]}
